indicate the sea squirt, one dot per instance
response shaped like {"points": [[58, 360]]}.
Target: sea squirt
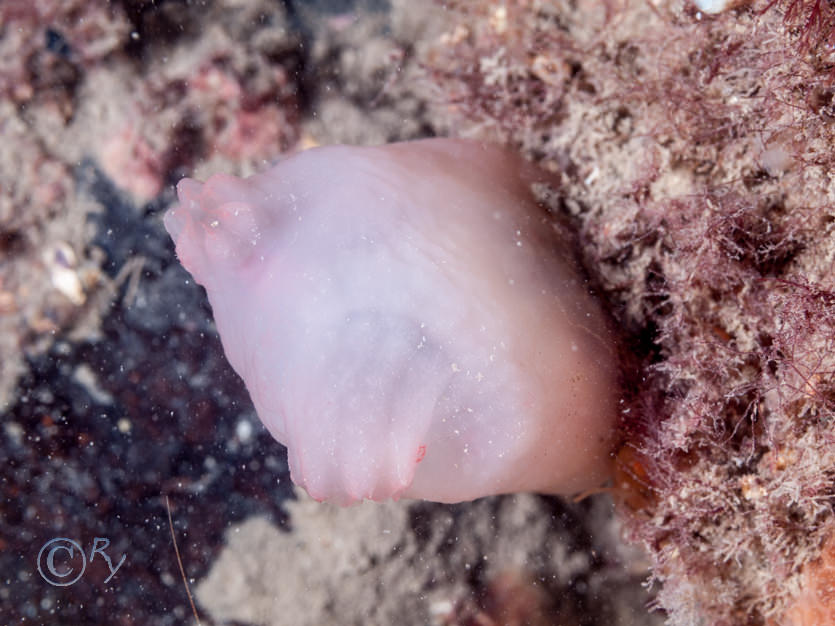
{"points": [[408, 321]]}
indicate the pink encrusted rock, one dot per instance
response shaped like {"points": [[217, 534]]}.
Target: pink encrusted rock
{"points": [[407, 320]]}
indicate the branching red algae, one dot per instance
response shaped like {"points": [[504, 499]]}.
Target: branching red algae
{"points": [[696, 155]]}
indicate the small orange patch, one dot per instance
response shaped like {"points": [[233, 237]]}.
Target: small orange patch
{"points": [[816, 604], [632, 484]]}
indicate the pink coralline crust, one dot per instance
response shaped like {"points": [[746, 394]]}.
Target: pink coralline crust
{"points": [[408, 321], [240, 131], [132, 162], [223, 116]]}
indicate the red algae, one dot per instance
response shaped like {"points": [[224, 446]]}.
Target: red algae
{"points": [[696, 155]]}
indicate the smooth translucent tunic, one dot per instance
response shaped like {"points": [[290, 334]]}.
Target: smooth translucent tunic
{"points": [[407, 320]]}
